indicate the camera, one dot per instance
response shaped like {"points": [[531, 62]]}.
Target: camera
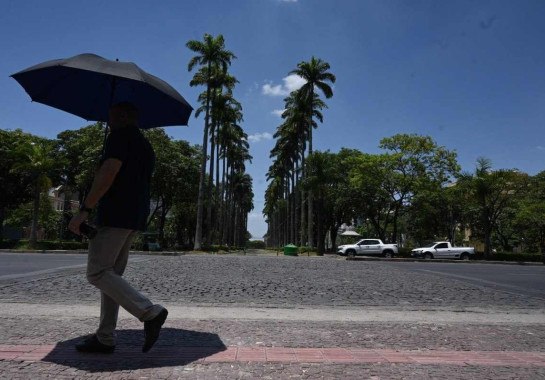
{"points": [[87, 230]]}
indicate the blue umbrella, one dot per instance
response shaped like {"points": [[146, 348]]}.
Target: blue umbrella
{"points": [[86, 85]]}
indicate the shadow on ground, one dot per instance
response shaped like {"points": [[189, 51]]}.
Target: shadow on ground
{"points": [[175, 347]]}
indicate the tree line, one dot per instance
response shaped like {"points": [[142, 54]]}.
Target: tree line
{"points": [[201, 195], [410, 194]]}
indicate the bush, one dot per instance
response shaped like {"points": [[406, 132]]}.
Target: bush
{"points": [[51, 245], [8, 244], [404, 252], [504, 256], [255, 244]]}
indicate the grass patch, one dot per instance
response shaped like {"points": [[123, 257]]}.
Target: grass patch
{"points": [[45, 245]]}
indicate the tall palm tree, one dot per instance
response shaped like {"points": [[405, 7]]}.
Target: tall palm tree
{"points": [[225, 109], [315, 73], [211, 53], [297, 121]]}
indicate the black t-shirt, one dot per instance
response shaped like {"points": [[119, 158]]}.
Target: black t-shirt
{"points": [[126, 204]]}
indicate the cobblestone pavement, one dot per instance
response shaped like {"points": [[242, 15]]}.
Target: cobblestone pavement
{"points": [[402, 336], [274, 282]]}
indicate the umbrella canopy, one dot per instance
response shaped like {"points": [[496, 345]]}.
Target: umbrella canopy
{"points": [[86, 85], [350, 233]]}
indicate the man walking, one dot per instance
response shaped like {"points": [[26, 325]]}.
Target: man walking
{"points": [[121, 188]]}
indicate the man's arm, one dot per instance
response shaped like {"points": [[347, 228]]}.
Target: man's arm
{"points": [[101, 184]]}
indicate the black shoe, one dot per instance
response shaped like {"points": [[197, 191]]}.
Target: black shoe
{"points": [[92, 344], [152, 329]]}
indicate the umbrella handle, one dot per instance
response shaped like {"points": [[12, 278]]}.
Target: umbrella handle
{"points": [[112, 92]]}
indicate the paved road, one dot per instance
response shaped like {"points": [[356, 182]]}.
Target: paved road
{"points": [[524, 279], [16, 264]]}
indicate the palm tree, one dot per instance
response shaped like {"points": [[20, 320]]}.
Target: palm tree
{"points": [[211, 53], [35, 159], [299, 125], [225, 110], [315, 73]]}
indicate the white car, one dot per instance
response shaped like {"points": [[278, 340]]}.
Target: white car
{"points": [[368, 247], [443, 250]]}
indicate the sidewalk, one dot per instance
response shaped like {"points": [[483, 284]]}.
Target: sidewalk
{"points": [[245, 343]]}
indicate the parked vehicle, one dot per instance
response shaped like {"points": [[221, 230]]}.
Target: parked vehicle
{"points": [[368, 247], [443, 250]]}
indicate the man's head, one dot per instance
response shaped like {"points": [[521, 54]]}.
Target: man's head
{"points": [[123, 115]]}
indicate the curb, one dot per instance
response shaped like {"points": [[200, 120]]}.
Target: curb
{"points": [[183, 253], [143, 253], [535, 263], [84, 251]]}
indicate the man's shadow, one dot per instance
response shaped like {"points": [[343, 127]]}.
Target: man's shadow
{"points": [[175, 347]]}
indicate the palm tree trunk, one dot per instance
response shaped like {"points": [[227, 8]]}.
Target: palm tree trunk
{"points": [[223, 200], [162, 222], [310, 194], [2, 217], [200, 197], [210, 198], [303, 213], [296, 224], [293, 234], [219, 207], [487, 242], [35, 212], [319, 225]]}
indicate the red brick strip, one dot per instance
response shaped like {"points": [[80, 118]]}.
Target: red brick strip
{"points": [[34, 353]]}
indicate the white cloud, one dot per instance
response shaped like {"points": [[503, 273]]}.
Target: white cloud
{"points": [[277, 112], [274, 90], [291, 83], [257, 137], [539, 147], [288, 1]]}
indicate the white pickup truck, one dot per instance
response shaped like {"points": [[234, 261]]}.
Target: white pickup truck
{"points": [[443, 250], [368, 247]]}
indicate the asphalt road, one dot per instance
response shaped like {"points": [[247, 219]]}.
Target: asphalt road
{"points": [[521, 279], [13, 265]]}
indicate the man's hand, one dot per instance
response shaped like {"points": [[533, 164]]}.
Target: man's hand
{"points": [[76, 222]]}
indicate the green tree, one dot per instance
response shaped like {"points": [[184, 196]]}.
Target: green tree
{"points": [[78, 155], [414, 163], [48, 218], [368, 175], [35, 159], [528, 221], [16, 186], [174, 178], [327, 180], [386, 184], [491, 193], [436, 212]]}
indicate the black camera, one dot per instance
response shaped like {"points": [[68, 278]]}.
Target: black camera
{"points": [[87, 230]]}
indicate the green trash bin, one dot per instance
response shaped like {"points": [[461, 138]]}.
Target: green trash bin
{"points": [[290, 250]]}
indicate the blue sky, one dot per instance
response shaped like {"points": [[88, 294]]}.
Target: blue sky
{"points": [[471, 74]]}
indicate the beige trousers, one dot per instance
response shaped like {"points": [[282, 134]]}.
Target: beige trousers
{"points": [[108, 256]]}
